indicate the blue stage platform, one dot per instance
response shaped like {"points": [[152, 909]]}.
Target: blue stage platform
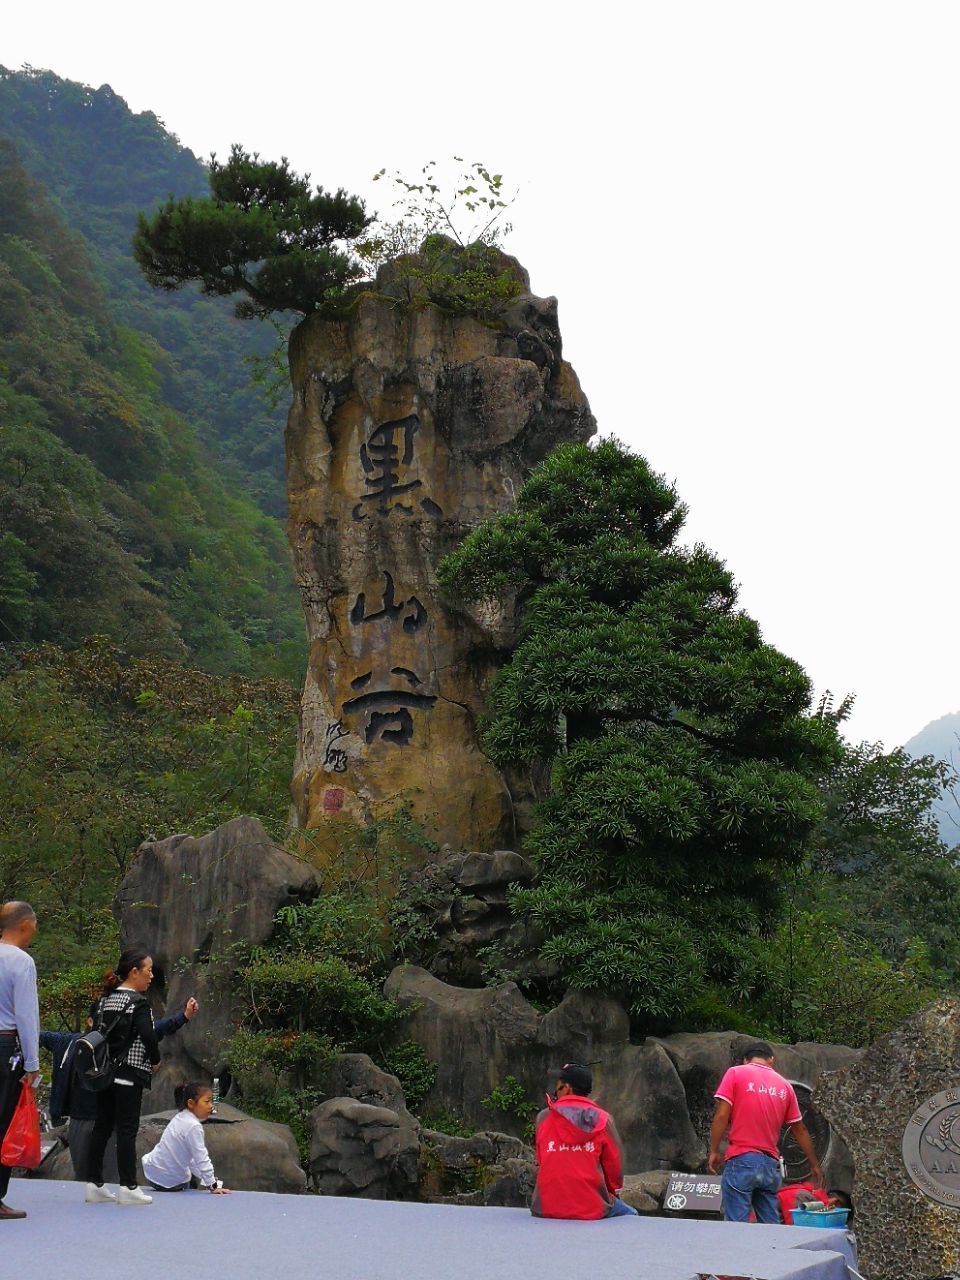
{"points": [[196, 1236]]}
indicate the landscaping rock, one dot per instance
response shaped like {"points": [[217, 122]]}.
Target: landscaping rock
{"points": [[357, 1076], [476, 1038], [361, 1150], [479, 1038], [462, 900], [653, 1181], [190, 901], [893, 1089], [486, 1168], [637, 1197]]}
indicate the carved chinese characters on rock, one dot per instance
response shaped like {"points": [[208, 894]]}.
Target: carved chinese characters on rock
{"points": [[387, 457], [386, 697], [385, 702]]}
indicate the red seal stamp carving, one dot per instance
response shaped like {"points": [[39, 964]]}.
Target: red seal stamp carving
{"points": [[333, 800]]}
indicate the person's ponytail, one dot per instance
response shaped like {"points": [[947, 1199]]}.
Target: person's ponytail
{"points": [[110, 982], [189, 1092]]}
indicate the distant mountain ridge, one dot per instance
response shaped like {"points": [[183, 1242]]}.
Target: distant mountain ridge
{"points": [[101, 164], [941, 738], [122, 513]]}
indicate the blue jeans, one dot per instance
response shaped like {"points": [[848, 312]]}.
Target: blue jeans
{"points": [[620, 1210], [751, 1181]]}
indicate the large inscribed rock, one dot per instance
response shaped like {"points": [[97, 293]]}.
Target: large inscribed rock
{"points": [[410, 426], [900, 1101]]}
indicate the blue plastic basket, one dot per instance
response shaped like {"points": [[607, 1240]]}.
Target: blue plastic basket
{"points": [[827, 1218]]}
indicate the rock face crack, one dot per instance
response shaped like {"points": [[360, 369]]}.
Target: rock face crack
{"points": [[408, 428]]}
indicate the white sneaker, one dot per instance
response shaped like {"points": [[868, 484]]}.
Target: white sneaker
{"points": [[99, 1195], [133, 1195]]}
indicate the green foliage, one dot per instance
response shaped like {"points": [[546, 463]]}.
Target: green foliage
{"points": [[18, 585], [277, 1052], [684, 759], [826, 982], [468, 207], [372, 854], [346, 924], [111, 518], [880, 852], [101, 164], [269, 371], [476, 280], [263, 232], [321, 976], [314, 991], [446, 1122], [443, 242], [866, 937], [415, 1071], [264, 1062], [324, 994], [66, 998], [99, 750], [291, 1107], [414, 934], [509, 1098]]}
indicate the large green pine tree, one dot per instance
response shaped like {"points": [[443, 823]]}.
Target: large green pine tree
{"points": [[683, 753]]}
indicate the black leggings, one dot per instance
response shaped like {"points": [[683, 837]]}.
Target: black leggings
{"points": [[118, 1109]]}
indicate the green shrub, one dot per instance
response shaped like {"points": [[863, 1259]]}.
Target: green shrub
{"points": [[415, 1071], [344, 924], [510, 1098], [827, 983], [323, 995], [446, 1122]]}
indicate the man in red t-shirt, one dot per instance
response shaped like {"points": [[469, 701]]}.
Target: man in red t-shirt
{"points": [[756, 1103]]}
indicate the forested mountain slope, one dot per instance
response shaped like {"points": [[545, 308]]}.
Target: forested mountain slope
{"points": [[113, 518], [102, 164]]}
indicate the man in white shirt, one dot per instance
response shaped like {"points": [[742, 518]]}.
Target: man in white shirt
{"points": [[19, 1022]]}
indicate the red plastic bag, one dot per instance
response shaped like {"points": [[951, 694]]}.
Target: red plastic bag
{"points": [[21, 1142]]}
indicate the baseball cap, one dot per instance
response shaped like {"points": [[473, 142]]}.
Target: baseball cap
{"points": [[576, 1075]]}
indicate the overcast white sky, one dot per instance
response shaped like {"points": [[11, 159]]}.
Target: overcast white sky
{"points": [[750, 213]]}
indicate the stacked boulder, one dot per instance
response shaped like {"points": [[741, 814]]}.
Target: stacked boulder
{"points": [[366, 1143]]}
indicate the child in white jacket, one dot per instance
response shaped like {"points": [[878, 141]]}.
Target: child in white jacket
{"points": [[181, 1152]]}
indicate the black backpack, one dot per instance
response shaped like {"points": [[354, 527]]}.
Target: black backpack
{"points": [[100, 1052]]}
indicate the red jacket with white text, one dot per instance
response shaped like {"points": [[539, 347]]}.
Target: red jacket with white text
{"points": [[579, 1165]]}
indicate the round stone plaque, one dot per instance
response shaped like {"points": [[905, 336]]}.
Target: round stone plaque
{"points": [[931, 1148]]}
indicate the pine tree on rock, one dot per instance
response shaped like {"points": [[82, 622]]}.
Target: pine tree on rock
{"points": [[684, 757], [264, 232]]}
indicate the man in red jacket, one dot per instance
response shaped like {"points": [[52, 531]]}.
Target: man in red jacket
{"points": [[579, 1162]]}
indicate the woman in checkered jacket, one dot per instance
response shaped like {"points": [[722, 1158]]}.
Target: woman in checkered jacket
{"points": [[124, 1014]]}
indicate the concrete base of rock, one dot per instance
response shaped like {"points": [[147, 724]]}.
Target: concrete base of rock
{"points": [[195, 1236]]}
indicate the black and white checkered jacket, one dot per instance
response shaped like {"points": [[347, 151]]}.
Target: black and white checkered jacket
{"points": [[141, 1052]]}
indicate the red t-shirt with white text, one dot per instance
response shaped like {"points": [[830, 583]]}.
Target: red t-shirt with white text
{"points": [[762, 1103]]}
